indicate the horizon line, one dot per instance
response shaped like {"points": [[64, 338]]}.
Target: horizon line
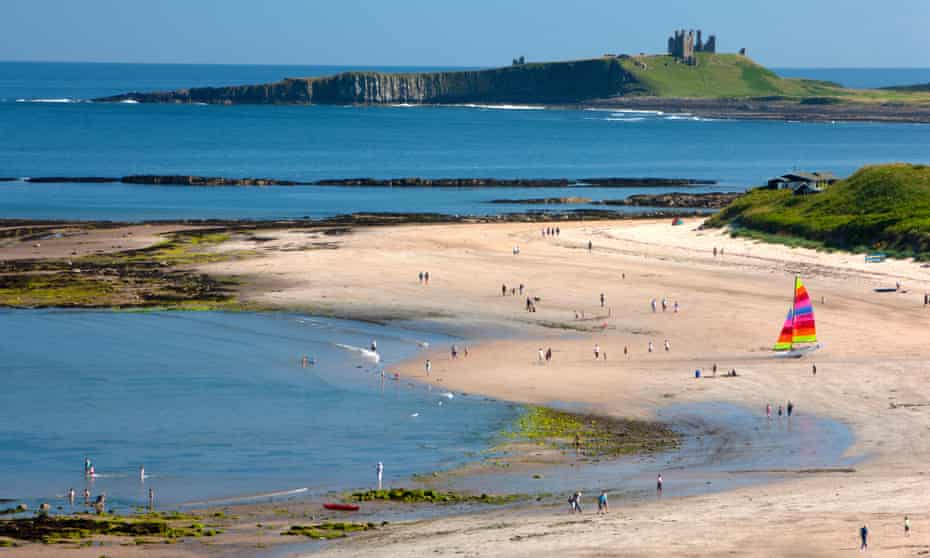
{"points": [[330, 65]]}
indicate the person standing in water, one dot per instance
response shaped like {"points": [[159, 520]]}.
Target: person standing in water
{"points": [[151, 499], [88, 466], [379, 469], [374, 346], [659, 483], [790, 408], [142, 473], [429, 366], [86, 496], [768, 410], [71, 496]]}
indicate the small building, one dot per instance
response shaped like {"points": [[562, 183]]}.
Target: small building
{"points": [[802, 182]]}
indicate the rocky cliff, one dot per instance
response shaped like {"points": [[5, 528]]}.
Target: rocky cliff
{"points": [[554, 82]]}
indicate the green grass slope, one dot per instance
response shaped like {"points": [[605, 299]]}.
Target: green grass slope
{"points": [[719, 75], [884, 207]]}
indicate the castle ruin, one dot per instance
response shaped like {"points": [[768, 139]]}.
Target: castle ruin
{"points": [[683, 44]]}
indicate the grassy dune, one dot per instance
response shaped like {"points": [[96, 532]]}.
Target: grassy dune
{"points": [[883, 207]]}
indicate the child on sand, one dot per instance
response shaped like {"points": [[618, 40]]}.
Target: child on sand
{"points": [[907, 527], [602, 506], [597, 351]]}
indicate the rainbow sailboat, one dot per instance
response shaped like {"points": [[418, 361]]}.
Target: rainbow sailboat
{"points": [[799, 330]]}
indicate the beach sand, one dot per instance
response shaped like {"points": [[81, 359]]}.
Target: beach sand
{"points": [[871, 368]]}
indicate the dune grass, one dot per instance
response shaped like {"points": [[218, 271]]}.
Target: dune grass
{"points": [[882, 207]]}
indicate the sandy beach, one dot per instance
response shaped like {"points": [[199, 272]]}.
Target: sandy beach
{"points": [[870, 371], [731, 308]]}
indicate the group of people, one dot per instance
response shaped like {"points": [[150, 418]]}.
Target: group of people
{"points": [[512, 290], [787, 410], [603, 506], [664, 302], [424, 277], [544, 356], [454, 352], [551, 231]]}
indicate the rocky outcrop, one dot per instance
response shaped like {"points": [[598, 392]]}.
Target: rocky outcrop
{"points": [[409, 182], [552, 82], [710, 200]]}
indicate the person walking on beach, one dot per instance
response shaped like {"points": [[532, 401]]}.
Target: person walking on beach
{"points": [[540, 356], [653, 304], [420, 276], [590, 246], [714, 369], [379, 470], [454, 352], [864, 537], [429, 366], [603, 299], [668, 346], [659, 483], [504, 289], [650, 346], [575, 502], [779, 411], [907, 527], [426, 277], [602, 506], [768, 410], [790, 407], [813, 369], [676, 306], [597, 351], [548, 354], [664, 304], [521, 289]]}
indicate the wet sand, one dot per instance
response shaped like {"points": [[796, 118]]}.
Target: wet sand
{"points": [[731, 309]]}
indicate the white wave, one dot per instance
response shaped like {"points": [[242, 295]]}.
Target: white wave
{"points": [[365, 353], [638, 111], [415, 415], [62, 100], [447, 395], [404, 105], [422, 344], [633, 119], [503, 107], [129, 102]]}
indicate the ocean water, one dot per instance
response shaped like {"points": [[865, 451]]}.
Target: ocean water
{"points": [[216, 406], [314, 142]]}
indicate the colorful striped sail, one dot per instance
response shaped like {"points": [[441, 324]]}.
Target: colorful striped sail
{"points": [[799, 325]]}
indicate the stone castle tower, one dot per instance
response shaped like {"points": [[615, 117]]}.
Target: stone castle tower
{"points": [[683, 44]]}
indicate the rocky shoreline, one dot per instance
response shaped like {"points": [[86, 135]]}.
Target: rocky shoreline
{"points": [[709, 200], [405, 182]]}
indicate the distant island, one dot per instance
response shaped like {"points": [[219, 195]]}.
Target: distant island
{"points": [[690, 77]]}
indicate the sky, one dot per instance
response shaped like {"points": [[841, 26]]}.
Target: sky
{"points": [[780, 33]]}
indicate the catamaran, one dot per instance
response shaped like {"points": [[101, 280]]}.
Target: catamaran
{"points": [[799, 334]]}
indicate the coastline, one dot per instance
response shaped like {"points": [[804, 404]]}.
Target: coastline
{"points": [[732, 307]]}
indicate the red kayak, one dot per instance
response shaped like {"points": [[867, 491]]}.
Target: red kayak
{"points": [[341, 507]]}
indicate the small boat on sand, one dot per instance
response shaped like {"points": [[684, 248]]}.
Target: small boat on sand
{"points": [[341, 507], [799, 334]]}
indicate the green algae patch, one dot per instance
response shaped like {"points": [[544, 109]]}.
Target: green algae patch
{"points": [[427, 496], [593, 435], [53, 530], [328, 530]]}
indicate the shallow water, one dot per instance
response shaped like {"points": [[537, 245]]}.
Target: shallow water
{"points": [[725, 446], [216, 406]]}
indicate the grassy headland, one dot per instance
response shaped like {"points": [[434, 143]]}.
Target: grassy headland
{"points": [[883, 207]]}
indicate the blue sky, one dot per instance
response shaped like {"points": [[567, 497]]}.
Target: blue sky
{"points": [[780, 33]]}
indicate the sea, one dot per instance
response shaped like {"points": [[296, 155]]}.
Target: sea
{"points": [[216, 405], [48, 128]]}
